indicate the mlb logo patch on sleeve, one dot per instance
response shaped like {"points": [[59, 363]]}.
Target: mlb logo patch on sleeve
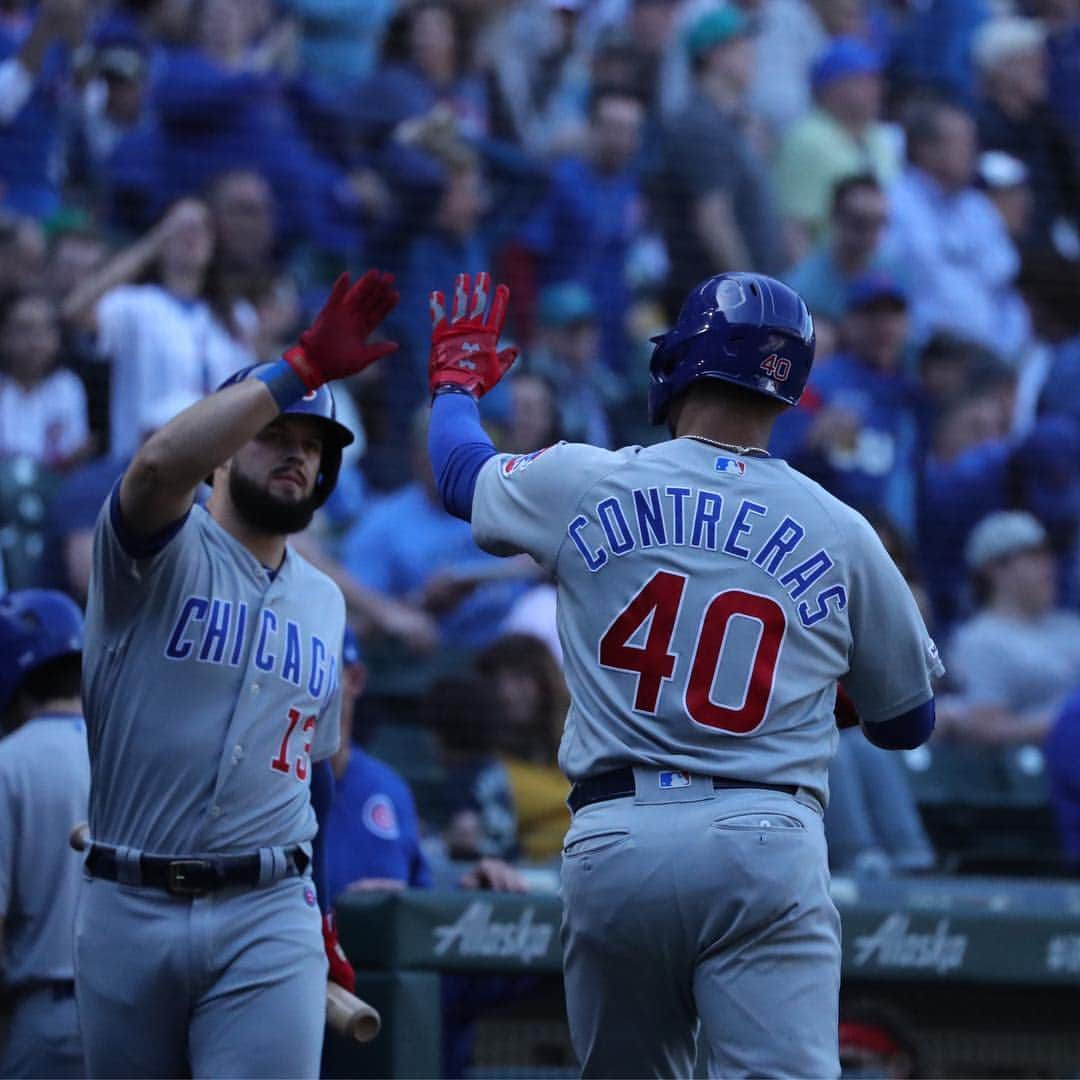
{"points": [[522, 461], [674, 778], [730, 465]]}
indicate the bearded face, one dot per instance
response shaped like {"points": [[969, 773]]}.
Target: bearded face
{"points": [[272, 479]]}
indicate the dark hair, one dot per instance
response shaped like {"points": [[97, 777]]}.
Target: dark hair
{"points": [[397, 47], [1053, 283], [528, 655], [842, 188], [10, 301], [462, 710], [60, 677], [921, 120]]}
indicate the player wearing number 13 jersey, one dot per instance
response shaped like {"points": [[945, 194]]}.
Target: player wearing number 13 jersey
{"points": [[710, 598], [212, 700]]}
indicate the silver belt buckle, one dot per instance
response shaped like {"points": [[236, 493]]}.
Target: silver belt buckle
{"points": [[176, 877]]}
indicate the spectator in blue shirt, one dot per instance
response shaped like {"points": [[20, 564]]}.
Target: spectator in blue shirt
{"points": [[862, 442], [1015, 117], [857, 221], [951, 240], [408, 547], [583, 228], [34, 78], [223, 105]]}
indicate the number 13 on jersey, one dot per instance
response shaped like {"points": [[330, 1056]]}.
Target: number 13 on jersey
{"points": [[659, 603]]}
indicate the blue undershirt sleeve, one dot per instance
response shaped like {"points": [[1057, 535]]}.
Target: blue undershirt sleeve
{"points": [[322, 796], [903, 732], [458, 446]]}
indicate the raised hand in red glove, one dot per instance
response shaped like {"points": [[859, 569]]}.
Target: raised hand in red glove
{"points": [[335, 345], [341, 971], [465, 351]]}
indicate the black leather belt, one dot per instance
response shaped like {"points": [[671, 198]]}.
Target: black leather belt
{"points": [[189, 877], [58, 988], [619, 783]]}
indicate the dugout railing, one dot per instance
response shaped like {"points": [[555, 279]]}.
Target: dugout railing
{"points": [[984, 972]]}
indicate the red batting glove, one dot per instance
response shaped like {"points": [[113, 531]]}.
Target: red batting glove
{"points": [[341, 971], [465, 350], [334, 346], [844, 710]]}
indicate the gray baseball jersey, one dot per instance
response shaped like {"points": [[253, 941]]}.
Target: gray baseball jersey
{"points": [[209, 687], [708, 604], [44, 786]]}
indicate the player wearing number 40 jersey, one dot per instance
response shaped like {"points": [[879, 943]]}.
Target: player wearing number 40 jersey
{"points": [[710, 599], [212, 697]]}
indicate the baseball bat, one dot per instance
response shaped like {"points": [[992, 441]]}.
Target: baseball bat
{"points": [[349, 1016], [346, 1014]]}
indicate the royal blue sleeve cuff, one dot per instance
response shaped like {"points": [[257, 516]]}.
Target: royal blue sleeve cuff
{"points": [[903, 732], [322, 798], [458, 446], [285, 386], [135, 546]]}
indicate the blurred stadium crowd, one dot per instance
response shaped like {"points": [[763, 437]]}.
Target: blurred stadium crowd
{"points": [[180, 181]]}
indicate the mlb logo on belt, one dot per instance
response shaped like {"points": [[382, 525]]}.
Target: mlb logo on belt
{"points": [[674, 778], [730, 465]]}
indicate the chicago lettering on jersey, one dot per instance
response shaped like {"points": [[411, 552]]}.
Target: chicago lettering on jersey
{"points": [[214, 631], [686, 517]]}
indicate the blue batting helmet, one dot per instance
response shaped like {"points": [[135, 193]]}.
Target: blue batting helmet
{"points": [[747, 329], [36, 625], [318, 404]]}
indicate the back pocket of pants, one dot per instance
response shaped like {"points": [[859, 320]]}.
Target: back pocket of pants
{"points": [[594, 842], [762, 819]]}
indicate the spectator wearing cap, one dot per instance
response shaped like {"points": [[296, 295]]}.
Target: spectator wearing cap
{"points": [[1014, 661], [858, 433], [950, 238], [713, 195], [582, 228], [1015, 116], [565, 354], [1004, 178], [841, 136], [851, 248]]}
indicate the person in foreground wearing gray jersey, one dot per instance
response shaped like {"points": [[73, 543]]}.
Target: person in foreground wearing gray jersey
{"points": [[44, 786], [710, 598], [212, 693]]}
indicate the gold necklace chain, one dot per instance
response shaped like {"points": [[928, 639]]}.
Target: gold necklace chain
{"points": [[752, 450]]}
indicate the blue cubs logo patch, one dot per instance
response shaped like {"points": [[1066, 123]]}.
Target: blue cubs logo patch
{"points": [[381, 818], [730, 465], [522, 461]]}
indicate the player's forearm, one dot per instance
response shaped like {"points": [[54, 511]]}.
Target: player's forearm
{"points": [[322, 798], [124, 268], [459, 447]]}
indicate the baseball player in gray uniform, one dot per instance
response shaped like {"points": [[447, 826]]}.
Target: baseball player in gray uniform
{"points": [[44, 785], [211, 685], [709, 600]]}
